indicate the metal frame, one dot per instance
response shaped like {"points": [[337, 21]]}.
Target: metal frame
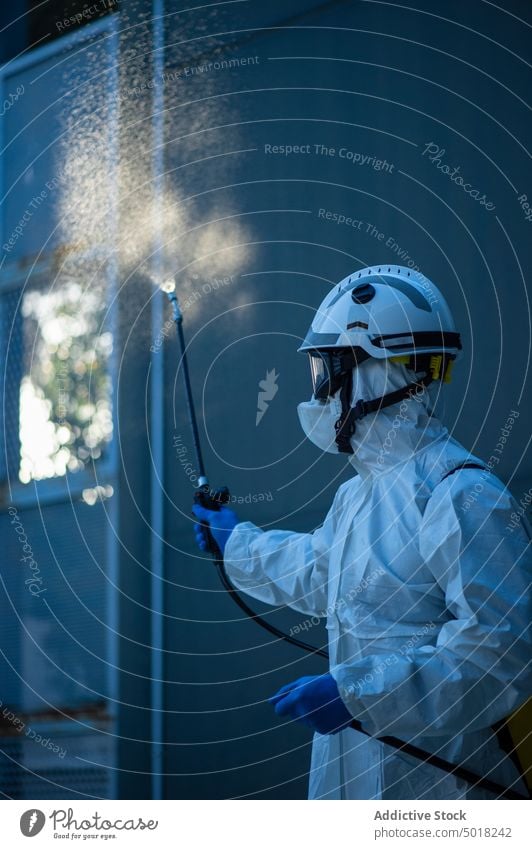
{"points": [[157, 425]]}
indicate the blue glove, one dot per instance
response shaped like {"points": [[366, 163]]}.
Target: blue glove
{"points": [[221, 523], [315, 701]]}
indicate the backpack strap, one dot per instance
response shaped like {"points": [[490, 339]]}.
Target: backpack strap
{"points": [[463, 466], [500, 729]]}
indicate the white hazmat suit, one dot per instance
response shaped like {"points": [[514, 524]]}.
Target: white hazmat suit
{"points": [[425, 594]]}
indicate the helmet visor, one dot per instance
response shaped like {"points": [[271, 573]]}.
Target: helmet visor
{"points": [[319, 371], [329, 367]]}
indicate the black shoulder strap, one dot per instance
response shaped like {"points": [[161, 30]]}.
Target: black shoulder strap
{"points": [[500, 728], [463, 466]]}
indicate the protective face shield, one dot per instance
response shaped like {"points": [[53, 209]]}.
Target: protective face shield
{"points": [[328, 369]]}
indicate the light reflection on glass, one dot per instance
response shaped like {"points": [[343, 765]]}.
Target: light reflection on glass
{"points": [[65, 393]]}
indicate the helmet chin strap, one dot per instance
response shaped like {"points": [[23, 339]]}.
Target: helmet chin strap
{"points": [[345, 427]]}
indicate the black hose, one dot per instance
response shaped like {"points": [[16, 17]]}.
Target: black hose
{"points": [[259, 620], [408, 748]]}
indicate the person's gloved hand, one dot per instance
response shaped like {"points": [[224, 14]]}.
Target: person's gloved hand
{"points": [[221, 524], [315, 701]]}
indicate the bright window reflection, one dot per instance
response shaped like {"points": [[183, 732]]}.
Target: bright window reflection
{"points": [[65, 393]]}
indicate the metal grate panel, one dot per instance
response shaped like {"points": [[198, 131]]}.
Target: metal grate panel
{"points": [[50, 631], [11, 348], [77, 767]]}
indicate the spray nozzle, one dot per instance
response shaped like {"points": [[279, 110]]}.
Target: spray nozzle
{"points": [[168, 287]]}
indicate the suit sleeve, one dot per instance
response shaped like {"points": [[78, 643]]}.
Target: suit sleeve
{"points": [[281, 567], [478, 670]]}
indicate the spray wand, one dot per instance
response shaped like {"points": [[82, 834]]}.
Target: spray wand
{"points": [[215, 500], [204, 495]]}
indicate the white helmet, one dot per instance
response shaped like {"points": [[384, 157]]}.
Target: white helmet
{"points": [[385, 312]]}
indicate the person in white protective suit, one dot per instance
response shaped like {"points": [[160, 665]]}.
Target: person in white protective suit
{"points": [[424, 590]]}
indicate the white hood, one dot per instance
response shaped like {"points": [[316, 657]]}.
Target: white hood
{"points": [[393, 434]]}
